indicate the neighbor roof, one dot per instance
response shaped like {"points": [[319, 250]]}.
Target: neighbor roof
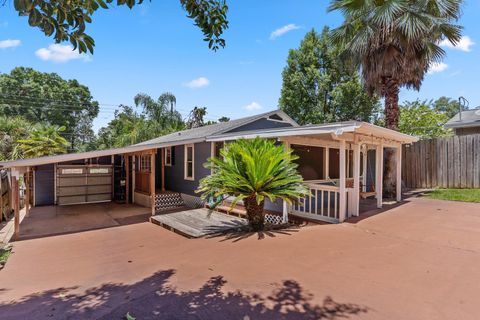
{"points": [[470, 118], [217, 128]]}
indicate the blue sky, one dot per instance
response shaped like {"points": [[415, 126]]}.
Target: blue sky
{"points": [[155, 48]]}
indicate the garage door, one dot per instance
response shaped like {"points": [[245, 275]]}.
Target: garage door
{"points": [[84, 184]]}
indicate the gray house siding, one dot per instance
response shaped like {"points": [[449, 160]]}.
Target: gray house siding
{"points": [[174, 175], [44, 185], [261, 124]]}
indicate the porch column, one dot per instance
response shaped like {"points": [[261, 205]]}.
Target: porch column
{"points": [[326, 162], [127, 178], [356, 179], [365, 162], [163, 167], [286, 208], [343, 192], [16, 206], [134, 164], [398, 153], [27, 193], [152, 181], [379, 174]]}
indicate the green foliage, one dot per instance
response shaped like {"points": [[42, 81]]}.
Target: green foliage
{"points": [[5, 253], [395, 42], [223, 119], [464, 195], [12, 129], [43, 140], [47, 98], [448, 106], [67, 20], [195, 118], [419, 118], [256, 169], [318, 86]]}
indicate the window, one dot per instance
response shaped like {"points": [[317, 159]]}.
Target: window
{"points": [[168, 156], [189, 162], [145, 163]]}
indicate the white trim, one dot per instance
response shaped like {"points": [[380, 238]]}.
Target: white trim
{"points": [[185, 163], [342, 183], [165, 158], [379, 175], [399, 173], [356, 179]]}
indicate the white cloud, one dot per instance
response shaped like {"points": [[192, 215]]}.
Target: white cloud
{"points": [[198, 83], [437, 67], [9, 43], [253, 106], [464, 44], [281, 31], [60, 53]]}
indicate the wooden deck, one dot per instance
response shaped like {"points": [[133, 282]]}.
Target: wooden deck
{"points": [[196, 223]]}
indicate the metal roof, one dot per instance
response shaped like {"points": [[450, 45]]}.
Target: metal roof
{"points": [[470, 118]]}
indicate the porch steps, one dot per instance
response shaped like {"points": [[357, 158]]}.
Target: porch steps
{"points": [[168, 201]]}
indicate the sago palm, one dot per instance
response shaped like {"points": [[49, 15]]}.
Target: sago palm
{"points": [[252, 171], [44, 140]]}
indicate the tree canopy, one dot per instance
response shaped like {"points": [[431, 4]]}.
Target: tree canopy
{"points": [[47, 98], [422, 119], [318, 86], [68, 20]]}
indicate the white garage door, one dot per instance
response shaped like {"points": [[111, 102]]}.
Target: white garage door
{"points": [[83, 184]]}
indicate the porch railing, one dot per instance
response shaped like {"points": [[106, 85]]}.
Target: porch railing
{"points": [[322, 204]]}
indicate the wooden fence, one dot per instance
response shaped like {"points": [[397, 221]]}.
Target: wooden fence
{"points": [[452, 162]]}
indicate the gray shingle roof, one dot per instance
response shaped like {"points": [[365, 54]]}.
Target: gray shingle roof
{"points": [[470, 118], [213, 129]]}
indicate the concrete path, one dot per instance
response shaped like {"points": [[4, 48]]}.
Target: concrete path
{"points": [[417, 261]]}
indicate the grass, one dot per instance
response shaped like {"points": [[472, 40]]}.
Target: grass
{"points": [[465, 195], [4, 254]]}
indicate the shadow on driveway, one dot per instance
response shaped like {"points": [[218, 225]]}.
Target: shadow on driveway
{"points": [[153, 298]]}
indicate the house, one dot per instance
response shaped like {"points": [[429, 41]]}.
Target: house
{"points": [[340, 162], [465, 122]]}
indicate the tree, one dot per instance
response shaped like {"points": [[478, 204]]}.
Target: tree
{"points": [[162, 114], [318, 86], [448, 106], [394, 43], [223, 119], [67, 20], [44, 140], [47, 98], [12, 129], [419, 118], [195, 118], [252, 171]]}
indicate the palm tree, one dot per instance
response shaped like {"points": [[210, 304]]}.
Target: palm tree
{"points": [[12, 128], [395, 43], [252, 171], [43, 140]]}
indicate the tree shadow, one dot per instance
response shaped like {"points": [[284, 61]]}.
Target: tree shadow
{"points": [[243, 232], [155, 298]]}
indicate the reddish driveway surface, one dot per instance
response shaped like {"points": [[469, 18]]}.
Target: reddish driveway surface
{"points": [[418, 261]]}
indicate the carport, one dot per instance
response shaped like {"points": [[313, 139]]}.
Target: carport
{"points": [[98, 177]]}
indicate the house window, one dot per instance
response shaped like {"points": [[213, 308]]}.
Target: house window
{"points": [[189, 162], [168, 156], [145, 163]]}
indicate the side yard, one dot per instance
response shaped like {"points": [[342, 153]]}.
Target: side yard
{"points": [[465, 195]]}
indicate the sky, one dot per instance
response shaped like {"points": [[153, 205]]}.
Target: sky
{"points": [[154, 48]]}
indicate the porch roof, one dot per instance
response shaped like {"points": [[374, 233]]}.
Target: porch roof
{"points": [[338, 129]]}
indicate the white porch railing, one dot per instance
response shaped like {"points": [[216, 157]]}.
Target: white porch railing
{"points": [[322, 204]]}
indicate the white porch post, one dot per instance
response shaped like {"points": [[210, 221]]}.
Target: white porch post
{"points": [[326, 162], [379, 174], [343, 192], [365, 162], [356, 179], [285, 204], [398, 153]]}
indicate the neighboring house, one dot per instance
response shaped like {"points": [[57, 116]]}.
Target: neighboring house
{"points": [[335, 160], [465, 122]]}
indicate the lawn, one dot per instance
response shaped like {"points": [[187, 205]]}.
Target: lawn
{"points": [[4, 254], [465, 195]]}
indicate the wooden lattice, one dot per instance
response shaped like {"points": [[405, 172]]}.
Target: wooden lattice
{"points": [[167, 201]]}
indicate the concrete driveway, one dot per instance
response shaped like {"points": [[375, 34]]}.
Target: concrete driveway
{"points": [[419, 260]]}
